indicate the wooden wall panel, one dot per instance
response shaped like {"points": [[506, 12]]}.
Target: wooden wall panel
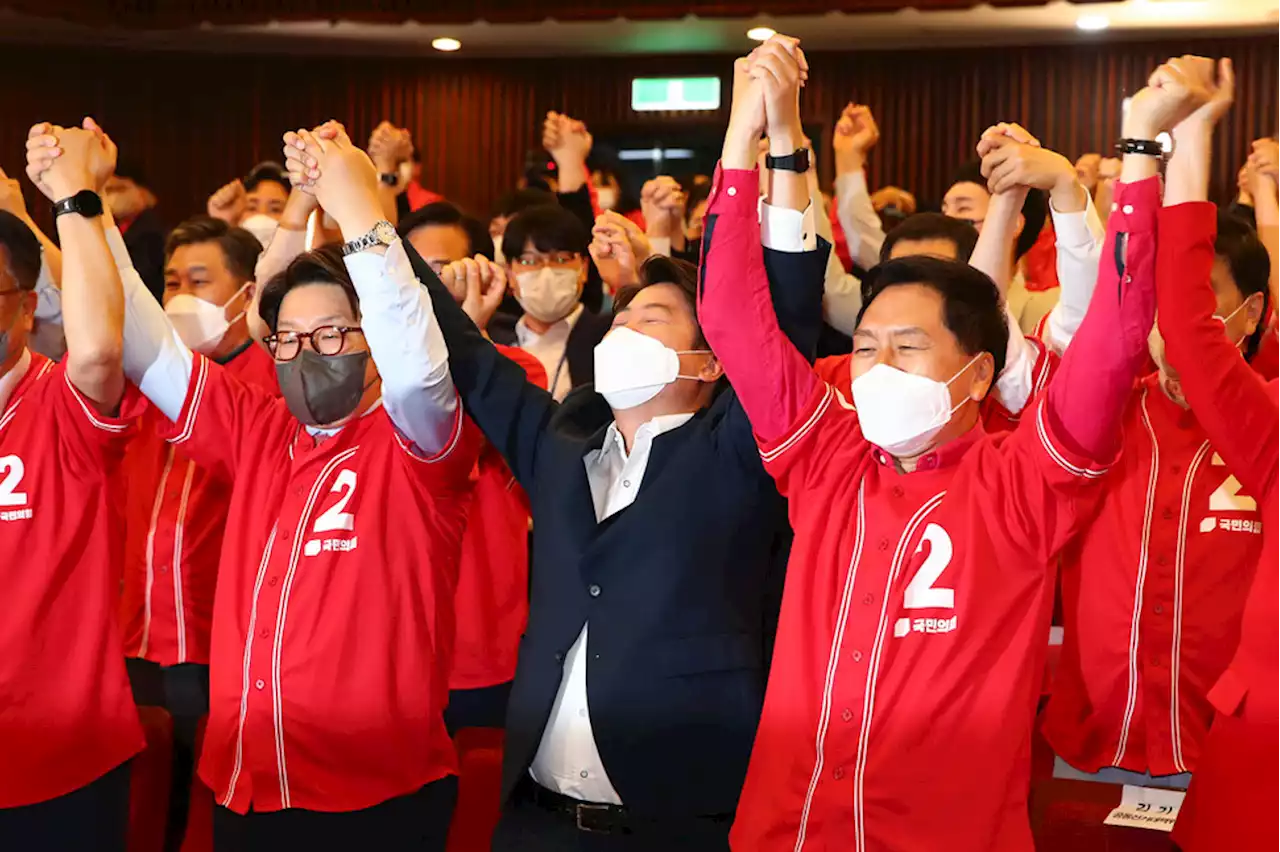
{"points": [[196, 120]]}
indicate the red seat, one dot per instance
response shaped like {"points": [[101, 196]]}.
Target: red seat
{"points": [[479, 789], [149, 782]]}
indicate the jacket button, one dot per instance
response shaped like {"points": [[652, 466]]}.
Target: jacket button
{"points": [[1159, 609], [593, 590], [273, 581], [857, 656], [838, 773], [259, 683], [897, 491], [847, 714], [884, 544], [1162, 560], [868, 600], [1168, 514]]}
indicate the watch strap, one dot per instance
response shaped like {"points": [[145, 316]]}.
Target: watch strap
{"points": [[383, 233], [1145, 147], [794, 162], [84, 203]]}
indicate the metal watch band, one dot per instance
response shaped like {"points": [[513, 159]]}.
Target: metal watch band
{"points": [[1146, 147]]}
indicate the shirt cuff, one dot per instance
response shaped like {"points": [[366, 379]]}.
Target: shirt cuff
{"points": [[1077, 230], [787, 230], [1136, 205], [734, 191]]}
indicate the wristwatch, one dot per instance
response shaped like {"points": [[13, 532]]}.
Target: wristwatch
{"points": [[389, 178], [797, 162], [85, 203], [383, 234]]}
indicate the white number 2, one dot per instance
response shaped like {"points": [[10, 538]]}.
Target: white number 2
{"points": [[12, 468], [336, 518], [921, 592], [1226, 497]]}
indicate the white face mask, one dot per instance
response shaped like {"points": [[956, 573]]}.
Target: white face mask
{"points": [[606, 197], [632, 368], [261, 226], [902, 412], [1227, 319], [201, 324], [548, 294]]}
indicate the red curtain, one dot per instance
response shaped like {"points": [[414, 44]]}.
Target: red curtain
{"points": [[197, 120]]}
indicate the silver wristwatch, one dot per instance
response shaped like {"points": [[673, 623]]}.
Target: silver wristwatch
{"points": [[383, 234]]}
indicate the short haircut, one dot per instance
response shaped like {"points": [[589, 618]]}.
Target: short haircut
{"points": [[519, 200], [1238, 244], [666, 270], [696, 194], [268, 171], [1034, 210], [446, 214], [549, 227], [131, 169], [240, 249], [23, 249], [932, 226], [971, 305], [319, 266]]}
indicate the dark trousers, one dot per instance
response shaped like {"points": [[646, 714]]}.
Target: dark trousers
{"points": [[526, 827], [485, 707], [183, 690], [95, 817], [418, 822]]}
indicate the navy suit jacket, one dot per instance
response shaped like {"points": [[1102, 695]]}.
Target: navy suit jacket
{"points": [[681, 589]]}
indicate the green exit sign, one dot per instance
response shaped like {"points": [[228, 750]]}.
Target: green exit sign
{"points": [[649, 94]]}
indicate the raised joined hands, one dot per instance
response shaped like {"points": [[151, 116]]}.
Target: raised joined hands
{"points": [[62, 161], [326, 163]]}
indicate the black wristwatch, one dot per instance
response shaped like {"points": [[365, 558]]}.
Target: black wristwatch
{"points": [[1145, 147], [797, 162], [85, 203], [389, 178]]}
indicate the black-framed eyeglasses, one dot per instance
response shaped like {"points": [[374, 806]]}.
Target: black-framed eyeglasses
{"points": [[325, 340]]}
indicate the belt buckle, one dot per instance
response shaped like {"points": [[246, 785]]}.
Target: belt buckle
{"points": [[588, 807]]}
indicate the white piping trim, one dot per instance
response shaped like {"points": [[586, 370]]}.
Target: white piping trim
{"points": [[8, 415], [178, 530], [833, 661], [197, 396], [150, 560], [304, 523], [869, 698], [455, 435], [1144, 556], [1088, 473], [803, 430], [248, 652], [1175, 655], [88, 412]]}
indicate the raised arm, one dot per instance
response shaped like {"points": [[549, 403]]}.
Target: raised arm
{"points": [[1234, 404], [395, 311], [289, 241], [93, 310], [1264, 171], [855, 135], [1086, 400], [773, 380]]}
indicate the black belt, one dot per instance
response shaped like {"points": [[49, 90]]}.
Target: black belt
{"points": [[599, 817]]}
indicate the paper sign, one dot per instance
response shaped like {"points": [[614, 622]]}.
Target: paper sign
{"points": [[1147, 807]]}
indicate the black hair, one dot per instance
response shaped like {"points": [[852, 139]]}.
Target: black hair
{"points": [[549, 227], [698, 192], [23, 249], [932, 226], [267, 171], [240, 249], [1034, 210], [971, 305], [520, 200], [318, 266], [604, 160], [1238, 244], [666, 270], [446, 214], [130, 169]]}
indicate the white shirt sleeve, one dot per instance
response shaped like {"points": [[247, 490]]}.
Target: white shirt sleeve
{"points": [[155, 358], [783, 229], [863, 233], [1015, 382], [1079, 237], [407, 346], [48, 296]]}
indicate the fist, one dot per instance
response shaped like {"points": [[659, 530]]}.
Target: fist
{"points": [[478, 285], [619, 249], [747, 114], [61, 161], [780, 66], [662, 202], [389, 146], [856, 130], [563, 136], [228, 203], [895, 197], [1264, 159], [1010, 165], [342, 177], [11, 196], [1174, 91]]}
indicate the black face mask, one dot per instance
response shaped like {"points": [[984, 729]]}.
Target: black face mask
{"points": [[320, 389]]}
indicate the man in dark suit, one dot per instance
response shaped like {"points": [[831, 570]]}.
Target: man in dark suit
{"points": [[547, 264], [656, 566], [133, 206]]}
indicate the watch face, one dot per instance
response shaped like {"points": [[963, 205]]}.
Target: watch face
{"points": [[385, 233]]}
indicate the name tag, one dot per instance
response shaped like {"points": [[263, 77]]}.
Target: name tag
{"points": [[1146, 807]]}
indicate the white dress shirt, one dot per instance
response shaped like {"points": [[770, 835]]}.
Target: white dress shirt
{"points": [[549, 349], [404, 341], [567, 760]]}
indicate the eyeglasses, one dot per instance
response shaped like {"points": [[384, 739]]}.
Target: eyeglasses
{"points": [[558, 259], [326, 340]]}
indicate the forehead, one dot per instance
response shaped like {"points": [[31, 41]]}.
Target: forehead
{"points": [[440, 241], [206, 254], [309, 305], [942, 247], [903, 306], [530, 248], [269, 188], [966, 191], [660, 297]]}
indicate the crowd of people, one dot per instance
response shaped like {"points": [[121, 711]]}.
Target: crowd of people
{"points": [[743, 510]]}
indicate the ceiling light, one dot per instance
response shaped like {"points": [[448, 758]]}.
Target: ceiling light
{"points": [[761, 33], [446, 44], [1092, 23]]}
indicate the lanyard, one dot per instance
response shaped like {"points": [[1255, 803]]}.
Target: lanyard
{"points": [[555, 380]]}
